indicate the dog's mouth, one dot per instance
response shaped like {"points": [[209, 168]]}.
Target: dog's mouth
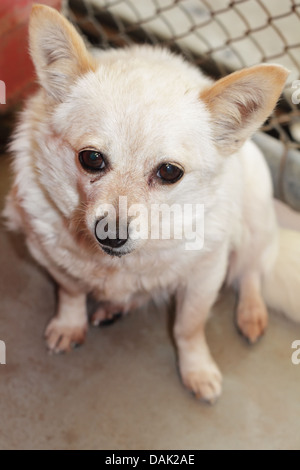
{"points": [[115, 252]]}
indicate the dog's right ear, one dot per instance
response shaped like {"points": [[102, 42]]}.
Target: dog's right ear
{"points": [[58, 52]]}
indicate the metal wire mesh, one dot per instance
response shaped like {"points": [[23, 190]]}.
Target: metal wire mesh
{"points": [[218, 35]]}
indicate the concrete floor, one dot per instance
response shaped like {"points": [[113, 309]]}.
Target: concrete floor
{"points": [[121, 390]]}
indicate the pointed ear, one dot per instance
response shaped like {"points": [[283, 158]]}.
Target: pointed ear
{"points": [[58, 52], [241, 102]]}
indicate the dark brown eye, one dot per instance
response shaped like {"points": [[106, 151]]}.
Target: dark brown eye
{"points": [[92, 161], [169, 173]]}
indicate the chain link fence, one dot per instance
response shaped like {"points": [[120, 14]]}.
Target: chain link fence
{"points": [[220, 36]]}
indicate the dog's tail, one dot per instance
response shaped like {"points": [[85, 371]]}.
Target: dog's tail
{"points": [[281, 287]]}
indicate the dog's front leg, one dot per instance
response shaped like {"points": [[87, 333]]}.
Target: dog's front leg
{"points": [[198, 370], [68, 328]]}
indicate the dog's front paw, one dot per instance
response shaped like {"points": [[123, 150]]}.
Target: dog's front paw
{"points": [[62, 336], [252, 319], [205, 382]]}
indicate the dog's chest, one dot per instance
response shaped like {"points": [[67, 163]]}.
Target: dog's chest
{"points": [[133, 283], [131, 280]]}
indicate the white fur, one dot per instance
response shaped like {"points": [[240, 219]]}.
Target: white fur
{"points": [[141, 106], [281, 286]]}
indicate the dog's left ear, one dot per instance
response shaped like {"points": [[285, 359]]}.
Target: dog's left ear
{"points": [[241, 102], [58, 52]]}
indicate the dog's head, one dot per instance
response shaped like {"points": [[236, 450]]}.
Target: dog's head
{"points": [[131, 130]]}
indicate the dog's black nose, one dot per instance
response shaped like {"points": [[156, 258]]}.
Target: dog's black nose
{"points": [[113, 242], [108, 237]]}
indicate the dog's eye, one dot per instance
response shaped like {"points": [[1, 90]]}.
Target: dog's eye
{"points": [[91, 160], [169, 173]]}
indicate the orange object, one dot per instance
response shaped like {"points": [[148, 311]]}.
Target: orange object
{"points": [[16, 69]]}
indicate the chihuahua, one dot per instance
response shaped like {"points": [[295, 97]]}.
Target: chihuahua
{"points": [[144, 127]]}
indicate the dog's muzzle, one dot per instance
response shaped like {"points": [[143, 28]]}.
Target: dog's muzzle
{"points": [[110, 240]]}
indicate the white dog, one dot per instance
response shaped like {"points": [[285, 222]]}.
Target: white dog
{"points": [[144, 124]]}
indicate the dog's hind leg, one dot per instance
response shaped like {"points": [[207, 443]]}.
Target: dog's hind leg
{"points": [[252, 315], [107, 313]]}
